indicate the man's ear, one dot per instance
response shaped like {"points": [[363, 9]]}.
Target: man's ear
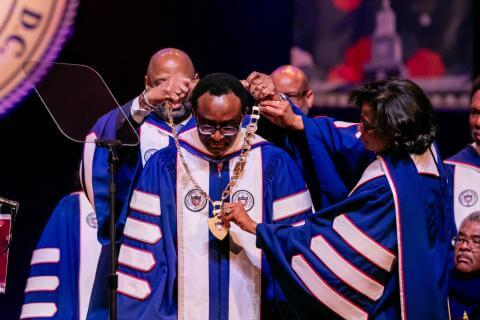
{"points": [[145, 81], [310, 98], [196, 76]]}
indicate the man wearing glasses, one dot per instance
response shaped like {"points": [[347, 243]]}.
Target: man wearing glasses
{"points": [[465, 277], [170, 77], [170, 264], [293, 83], [66, 260], [330, 179]]}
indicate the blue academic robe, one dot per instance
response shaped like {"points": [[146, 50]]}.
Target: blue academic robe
{"points": [[154, 134], [171, 266], [64, 262], [464, 173], [380, 254], [331, 155], [464, 296]]}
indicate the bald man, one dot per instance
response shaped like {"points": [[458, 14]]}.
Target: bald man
{"points": [[170, 77], [292, 82], [167, 64], [69, 265]]}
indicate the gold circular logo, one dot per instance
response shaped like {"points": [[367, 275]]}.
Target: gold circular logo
{"points": [[30, 30]]}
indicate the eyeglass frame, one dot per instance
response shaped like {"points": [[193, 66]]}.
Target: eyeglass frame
{"points": [[365, 125], [469, 240], [218, 127], [298, 95]]}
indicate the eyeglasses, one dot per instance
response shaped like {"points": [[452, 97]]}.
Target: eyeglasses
{"points": [[227, 130], [472, 242], [296, 95], [365, 125]]}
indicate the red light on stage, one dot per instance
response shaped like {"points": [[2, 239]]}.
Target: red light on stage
{"points": [[8, 212], [5, 229]]}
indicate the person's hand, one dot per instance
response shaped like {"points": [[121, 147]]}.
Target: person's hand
{"points": [[281, 113], [175, 89], [235, 212], [261, 86]]}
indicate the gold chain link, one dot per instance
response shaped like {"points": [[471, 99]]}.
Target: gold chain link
{"points": [[239, 166]]}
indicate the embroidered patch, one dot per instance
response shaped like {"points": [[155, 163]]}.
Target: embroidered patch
{"points": [[91, 220], [149, 153], [195, 201], [468, 198], [245, 198]]}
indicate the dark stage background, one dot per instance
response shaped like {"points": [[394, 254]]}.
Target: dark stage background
{"points": [[38, 165]]}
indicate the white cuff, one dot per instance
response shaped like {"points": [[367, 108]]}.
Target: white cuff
{"points": [[138, 113]]}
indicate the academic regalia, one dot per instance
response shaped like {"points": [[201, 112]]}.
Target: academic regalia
{"points": [[154, 134], [171, 266], [64, 262], [380, 254], [464, 296], [339, 159], [464, 172]]}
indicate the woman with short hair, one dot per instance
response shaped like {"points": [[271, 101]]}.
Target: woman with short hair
{"points": [[382, 253]]}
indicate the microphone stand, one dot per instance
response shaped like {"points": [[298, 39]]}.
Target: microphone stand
{"points": [[112, 146]]}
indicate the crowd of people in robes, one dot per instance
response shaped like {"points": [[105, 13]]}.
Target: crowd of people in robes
{"points": [[326, 219]]}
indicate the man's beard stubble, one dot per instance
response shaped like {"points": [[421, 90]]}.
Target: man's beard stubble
{"points": [[179, 114]]}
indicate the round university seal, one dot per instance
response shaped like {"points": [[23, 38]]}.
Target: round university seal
{"points": [[149, 153], [468, 198], [195, 201], [30, 31], [244, 197], [92, 220]]}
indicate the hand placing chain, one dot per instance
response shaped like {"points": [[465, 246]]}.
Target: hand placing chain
{"points": [[175, 89], [260, 86], [281, 113], [272, 105], [235, 212], [215, 223]]}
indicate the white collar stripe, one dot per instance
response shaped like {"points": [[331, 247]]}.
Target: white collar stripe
{"points": [[399, 240], [462, 164], [89, 253], [88, 155], [373, 171], [152, 139], [425, 163], [191, 138], [324, 293]]}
